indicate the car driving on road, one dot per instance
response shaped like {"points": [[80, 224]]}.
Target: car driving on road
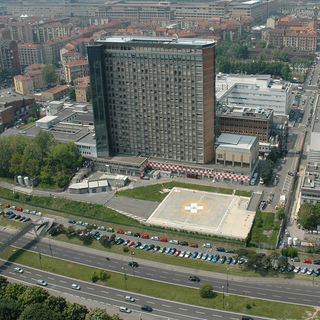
{"points": [[194, 278]]}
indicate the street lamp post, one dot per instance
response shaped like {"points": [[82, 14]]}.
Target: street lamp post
{"points": [[223, 296], [125, 276], [132, 253], [227, 281]]}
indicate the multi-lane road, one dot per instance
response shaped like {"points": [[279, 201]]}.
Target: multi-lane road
{"points": [[282, 290]]}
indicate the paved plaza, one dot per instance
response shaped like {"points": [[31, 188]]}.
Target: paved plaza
{"points": [[204, 212]]}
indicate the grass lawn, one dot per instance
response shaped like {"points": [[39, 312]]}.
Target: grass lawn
{"points": [[42, 185], [264, 221], [28, 125], [152, 192], [8, 180], [4, 221], [161, 290]]}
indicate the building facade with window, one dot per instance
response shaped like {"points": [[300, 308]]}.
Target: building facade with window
{"points": [[154, 97]]}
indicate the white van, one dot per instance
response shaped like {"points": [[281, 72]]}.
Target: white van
{"points": [[253, 182]]}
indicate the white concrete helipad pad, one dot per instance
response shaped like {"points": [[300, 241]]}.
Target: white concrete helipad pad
{"points": [[204, 212]]}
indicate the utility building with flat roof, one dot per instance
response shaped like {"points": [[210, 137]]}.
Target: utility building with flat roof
{"points": [[154, 97]]}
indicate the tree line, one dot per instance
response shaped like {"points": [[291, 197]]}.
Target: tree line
{"points": [[43, 156], [22, 302]]}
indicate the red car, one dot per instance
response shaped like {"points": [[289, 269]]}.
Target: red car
{"points": [[120, 231], [177, 253], [8, 206], [131, 243], [306, 261], [193, 245], [145, 236], [163, 239], [19, 209]]}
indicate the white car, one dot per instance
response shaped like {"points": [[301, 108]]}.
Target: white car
{"points": [[39, 214], [26, 211], [129, 298], [124, 309], [296, 269], [155, 238], [182, 253], [199, 255], [304, 270], [187, 255], [13, 207], [41, 283], [310, 272], [75, 286], [19, 270]]}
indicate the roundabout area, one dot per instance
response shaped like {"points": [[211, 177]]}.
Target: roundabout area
{"points": [[204, 212]]}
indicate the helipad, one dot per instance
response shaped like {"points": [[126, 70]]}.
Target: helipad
{"points": [[204, 212]]}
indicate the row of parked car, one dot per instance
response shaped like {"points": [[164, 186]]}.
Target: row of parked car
{"points": [[17, 217], [37, 213]]}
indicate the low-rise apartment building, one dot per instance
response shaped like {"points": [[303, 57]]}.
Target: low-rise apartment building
{"points": [[76, 69], [30, 53], [82, 90], [23, 84]]}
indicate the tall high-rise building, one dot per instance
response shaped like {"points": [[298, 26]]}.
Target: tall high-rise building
{"points": [[154, 97]]}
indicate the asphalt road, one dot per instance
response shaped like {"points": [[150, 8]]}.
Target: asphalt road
{"points": [[283, 290]]}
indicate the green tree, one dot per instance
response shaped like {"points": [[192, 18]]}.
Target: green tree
{"points": [[281, 214], [16, 164], [97, 314], [105, 241], [46, 175], [42, 143], [70, 232], [14, 290], [271, 46], [263, 56], [6, 154], [75, 311], [261, 44], [10, 309], [275, 55], [3, 284], [72, 93], [33, 295], [55, 63], [255, 261], [285, 72], [38, 311], [31, 119], [282, 262], [49, 74], [57, 304], [206, 290], [284, 56], [274, 154], [309, 215], [266, 172]]}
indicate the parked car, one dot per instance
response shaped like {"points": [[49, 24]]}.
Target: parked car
{"points": [[34, 212], [137, 244], [184, 243], [296, 269], [172, 251], [7, 205], [26, 211], [13, 207], [194, 255], [206, 245], [193, 245], [306, 260], [126, 242], [174, 241], [110, 230], [137, 235], [26, 220], [221, 249], [79, 223], [204, 256], [223, 259], [150, 247], [210, 257], [310, 272], [163, 239], [144, 246], [317, 272], [145, 236], [102, 228], [22, 218], [229, 260], [72, 221], [230, 250], [304, 270], [182, 253], [19, 209], [199, 255], [120, 231], [155, 238], [290, 268], [129, 233], [234, 261], [130, 243], [17, 217], [168, 250], [177, 253], [216, 258], [12, 216], [187, 255], [316, 262], [163, 249], [156, 248]]}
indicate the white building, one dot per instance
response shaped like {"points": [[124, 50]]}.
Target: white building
{"points": [[254, 91]]}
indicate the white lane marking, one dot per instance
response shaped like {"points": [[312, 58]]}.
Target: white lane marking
{"points": [[104, 291], [292, 298], [50, 278], [90, 288], [63, 281], [162, 277], [119, 295], [183, 309], [306, 300], [263, 294], [276, 296], [199, 312], [150, 302], [217, 315], [88, 260], [101, 264], [165, 305], [175, 279], [76, 258]]}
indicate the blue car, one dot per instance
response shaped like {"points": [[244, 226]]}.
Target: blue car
{"points": [[194, 255], [210, 257], [216, 258], [72, 221], [172, 251], [12, 216]]}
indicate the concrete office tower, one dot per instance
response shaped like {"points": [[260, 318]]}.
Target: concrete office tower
{"points": [[154, 97]]}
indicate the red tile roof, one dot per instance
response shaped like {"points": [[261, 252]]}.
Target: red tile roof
{"points": [[22, 78], [57, 89], [28, 45], [36, 65], [82, 85], [35, 72], [84, 79]]}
